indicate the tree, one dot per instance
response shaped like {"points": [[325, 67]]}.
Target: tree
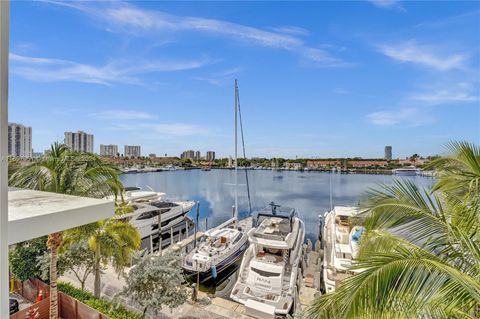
{"points": [[156, 281], [23, 258], [64, 171], [109, 240], [53, 242], [77, 258], [14, 165], [420, 255]]}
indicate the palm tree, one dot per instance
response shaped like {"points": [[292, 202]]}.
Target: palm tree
{"points": [[65, 171], [420, 255], [53, 243], [110, 240]]}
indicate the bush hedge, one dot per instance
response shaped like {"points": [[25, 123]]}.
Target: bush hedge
{"points": [[104, 306]]}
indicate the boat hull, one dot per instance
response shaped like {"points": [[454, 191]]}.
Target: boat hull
{"points": [[206, 276]]}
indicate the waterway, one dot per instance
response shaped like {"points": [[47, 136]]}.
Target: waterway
{"points": [[308, 192]]}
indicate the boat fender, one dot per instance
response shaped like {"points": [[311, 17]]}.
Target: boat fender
{"points": [[214, 271]]}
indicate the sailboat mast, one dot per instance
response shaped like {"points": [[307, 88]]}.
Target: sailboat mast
{"points": [[236, 152]]}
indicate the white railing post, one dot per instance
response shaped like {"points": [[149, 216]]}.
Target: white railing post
{"points": [[4, 40]]}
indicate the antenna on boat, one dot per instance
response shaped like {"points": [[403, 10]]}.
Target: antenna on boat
{"points": [[236, 155], [274, 207], [331, 200]]}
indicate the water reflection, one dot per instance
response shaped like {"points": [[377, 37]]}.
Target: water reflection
{"points": [[308, 192]]}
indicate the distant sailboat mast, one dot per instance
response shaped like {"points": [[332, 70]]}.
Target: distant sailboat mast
{"points": [[236, 151]]}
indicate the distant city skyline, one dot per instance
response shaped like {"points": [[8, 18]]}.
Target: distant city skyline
{"points": [[316, 79], [20, 141]]}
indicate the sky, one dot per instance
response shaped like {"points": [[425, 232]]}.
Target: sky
{"points": [[316, 79]]}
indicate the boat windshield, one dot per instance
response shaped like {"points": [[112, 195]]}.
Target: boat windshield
{"points": [[148, 215], [273, 226]]}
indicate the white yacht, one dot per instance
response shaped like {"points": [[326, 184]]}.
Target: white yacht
{"points": [[406, 171], [341, 234], [218, 249], [150, 208], [175, 225], [269, 279]]}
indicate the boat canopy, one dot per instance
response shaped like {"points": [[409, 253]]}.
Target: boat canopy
{"points": [[275, 211]]}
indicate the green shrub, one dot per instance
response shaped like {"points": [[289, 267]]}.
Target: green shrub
{"points": [[104, 306]]}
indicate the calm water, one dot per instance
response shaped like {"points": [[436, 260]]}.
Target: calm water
{"points": [[308, 192]]}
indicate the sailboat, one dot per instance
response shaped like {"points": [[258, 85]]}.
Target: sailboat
{"points": [[222, 247]]}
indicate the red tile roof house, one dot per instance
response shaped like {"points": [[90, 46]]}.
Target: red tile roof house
{"points": [[362, 164], [322, 164]]}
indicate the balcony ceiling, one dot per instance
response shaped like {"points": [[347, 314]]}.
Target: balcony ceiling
{"points": [[32, 214]]}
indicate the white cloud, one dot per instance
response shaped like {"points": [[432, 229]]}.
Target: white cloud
{"points": [[403, 116], [122, 115], [445, 96], [462, 92], [50, 70], [389, 4], [294, 30], [412, 52], [131, 19]]}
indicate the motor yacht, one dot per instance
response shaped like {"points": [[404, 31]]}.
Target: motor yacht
{"points": [[406, 171], [269, 279], [152, 207], [175, 225], [341, 234]]}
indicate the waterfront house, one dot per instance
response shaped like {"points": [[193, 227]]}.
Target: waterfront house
{"points": [[321, 164], [367, 164]]}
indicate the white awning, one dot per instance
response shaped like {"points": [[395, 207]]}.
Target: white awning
{"points": [[33, 214]]}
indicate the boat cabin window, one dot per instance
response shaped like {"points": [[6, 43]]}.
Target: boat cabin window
{"points": [[148, 215], [273, 251], [162, 204], [264, 273], [237, 239]]}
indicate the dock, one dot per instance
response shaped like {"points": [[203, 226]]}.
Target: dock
{"points": [[209, 306]]}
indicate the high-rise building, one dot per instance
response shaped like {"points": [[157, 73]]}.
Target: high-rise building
{"points": [[188, 154], [198, 156], [37, 154], [20, 140], [210, 156], [79, 141], [388, 153], [110, 150], [132, 151]]}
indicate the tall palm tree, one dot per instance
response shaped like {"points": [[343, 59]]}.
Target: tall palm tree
{"points": [[420, 255], [53, 243], [110, 240], [64, 171]]}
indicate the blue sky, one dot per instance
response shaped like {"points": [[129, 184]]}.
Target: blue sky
{"points": [[316, 78]]}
